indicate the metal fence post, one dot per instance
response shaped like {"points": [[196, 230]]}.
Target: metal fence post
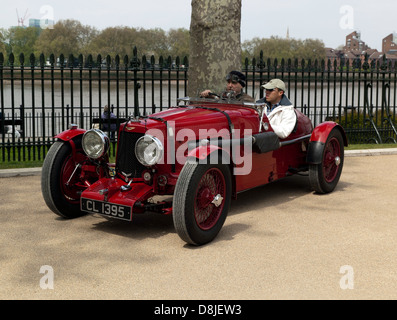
{"points": [[135, 63]]}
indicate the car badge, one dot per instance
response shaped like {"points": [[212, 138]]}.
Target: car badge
{"points": [[130, 128], [112, 172]]}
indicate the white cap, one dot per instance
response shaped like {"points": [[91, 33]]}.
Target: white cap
{"points": [[275, 83]]}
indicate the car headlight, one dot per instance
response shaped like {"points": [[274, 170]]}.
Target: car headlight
{"points": [[95, 143], [149, 150]]}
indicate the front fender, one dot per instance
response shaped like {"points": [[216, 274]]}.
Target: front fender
{"points": [[70, 134], [203, 152], [319, 138]]}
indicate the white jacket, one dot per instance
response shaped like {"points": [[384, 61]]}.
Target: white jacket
{"points": [[283, 120]]}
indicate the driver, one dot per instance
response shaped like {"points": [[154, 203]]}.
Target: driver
{"points": [[235, 83]]}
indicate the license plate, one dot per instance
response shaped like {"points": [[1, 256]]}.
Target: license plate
{"points": [[107, 209]]}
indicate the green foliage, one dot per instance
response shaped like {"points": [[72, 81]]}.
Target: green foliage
{"points": [[179, 42], [360, 128], [278, 48], [3, 37], [71, 37], [369, 146], [354, 121], [22, 156], [67, 37], [21, 40], [20, 164]]}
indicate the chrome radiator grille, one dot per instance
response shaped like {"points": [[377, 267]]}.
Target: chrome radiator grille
{"points": [[127, 163]]}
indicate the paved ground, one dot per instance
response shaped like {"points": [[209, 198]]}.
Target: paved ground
{"points": [[280, 241]]}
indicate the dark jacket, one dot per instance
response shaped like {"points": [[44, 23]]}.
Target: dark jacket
{"points": [[245, 97], [105, 125]]}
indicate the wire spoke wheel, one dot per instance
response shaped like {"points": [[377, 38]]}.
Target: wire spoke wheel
{"points": [[201, 201], [331, 163], [61, 182], [211, 188], [69, 178], [324, 176]]}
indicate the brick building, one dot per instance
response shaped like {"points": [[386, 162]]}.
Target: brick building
{"points": [[356, 50], [354, 43], [389, 44]]}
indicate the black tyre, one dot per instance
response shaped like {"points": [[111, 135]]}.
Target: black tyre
{"points": [[60, 184], [325, 176], [201, 201]]}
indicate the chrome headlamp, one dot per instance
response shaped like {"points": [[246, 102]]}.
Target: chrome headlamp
{"points": [[149, 150], [95, 143]]}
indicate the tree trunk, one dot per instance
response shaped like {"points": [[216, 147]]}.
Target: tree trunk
{"points": [[215, 47]]}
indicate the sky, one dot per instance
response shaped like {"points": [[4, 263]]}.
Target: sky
{"points": [[330, 21]]}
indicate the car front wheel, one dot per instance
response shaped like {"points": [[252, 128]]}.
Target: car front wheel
{"points": [[201, 201], [60, 183]]}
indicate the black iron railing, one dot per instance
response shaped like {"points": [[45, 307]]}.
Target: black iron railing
{"points": [[42, 97]]}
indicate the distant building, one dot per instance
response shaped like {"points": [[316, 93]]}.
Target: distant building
{"points": [[41, 23], [370, 55], [389, 44], [333, 55], [356, 52], [354, 43]]}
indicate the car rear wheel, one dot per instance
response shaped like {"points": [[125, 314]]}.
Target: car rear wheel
{"points": [[60, 184], [201, 201], [325, 176]]}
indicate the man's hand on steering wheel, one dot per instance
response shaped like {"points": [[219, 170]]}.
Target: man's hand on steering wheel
{"points": [[209, 94]]}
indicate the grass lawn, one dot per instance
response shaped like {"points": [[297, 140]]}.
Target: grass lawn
{"points": [[38, 163]]}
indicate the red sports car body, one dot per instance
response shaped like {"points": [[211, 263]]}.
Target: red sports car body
{"points": [[200, 154]]}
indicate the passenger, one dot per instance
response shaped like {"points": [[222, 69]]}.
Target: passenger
{"points": [[236, 81], [107, 114], [8, 129], [280, 111]]}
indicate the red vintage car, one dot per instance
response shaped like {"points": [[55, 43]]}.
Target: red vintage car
{"points": [[200, 154]]}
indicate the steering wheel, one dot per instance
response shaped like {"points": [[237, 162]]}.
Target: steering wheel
{"points": [[212, 94], [228, 95]]}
